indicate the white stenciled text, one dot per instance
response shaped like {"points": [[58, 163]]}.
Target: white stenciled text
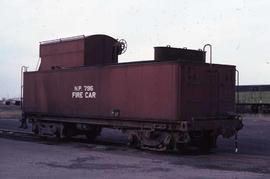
{"points": [[84, 91]]}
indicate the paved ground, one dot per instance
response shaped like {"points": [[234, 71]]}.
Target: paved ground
{"points": [[110, 158]]}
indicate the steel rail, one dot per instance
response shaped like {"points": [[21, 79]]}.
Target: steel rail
{"points": [[13, 132]]}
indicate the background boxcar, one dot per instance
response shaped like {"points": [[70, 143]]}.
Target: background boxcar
{"points": [[253, 98]]}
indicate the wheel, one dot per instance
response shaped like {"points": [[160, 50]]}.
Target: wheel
{"points": [[133, 141], [153, 140]]}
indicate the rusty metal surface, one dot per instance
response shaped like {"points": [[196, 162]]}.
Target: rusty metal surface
{"points": [[147, 91], [181, 54], [138, 91], [62, 54], [100, 49], [207, 90], [90, 50]]}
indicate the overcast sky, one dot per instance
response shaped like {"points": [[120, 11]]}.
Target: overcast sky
{"points": [[239, 31]]}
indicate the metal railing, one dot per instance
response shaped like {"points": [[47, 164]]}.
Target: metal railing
{"points": [[23, 69], [210, 46], [62, 39]]}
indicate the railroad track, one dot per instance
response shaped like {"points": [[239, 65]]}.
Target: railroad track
{"points": [[30, 135], [22, 134], [15, 132]]}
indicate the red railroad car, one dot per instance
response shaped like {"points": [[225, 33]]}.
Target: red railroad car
{"points": [[174, 100]]}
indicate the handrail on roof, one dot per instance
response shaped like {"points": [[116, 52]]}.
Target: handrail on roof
{"points": [[63, 39]]}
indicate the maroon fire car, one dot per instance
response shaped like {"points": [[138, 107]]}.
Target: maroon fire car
{"points": [[175, 100]]}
